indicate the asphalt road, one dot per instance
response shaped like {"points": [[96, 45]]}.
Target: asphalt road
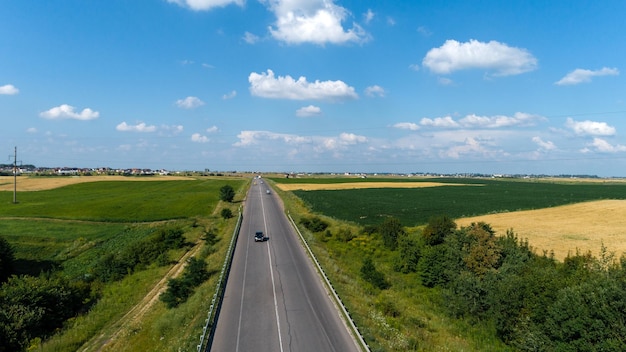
{"points": [[274, 299]]}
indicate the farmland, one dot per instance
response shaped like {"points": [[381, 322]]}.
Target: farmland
{"points": [[504, 204], [67, 230], [472, 289]]}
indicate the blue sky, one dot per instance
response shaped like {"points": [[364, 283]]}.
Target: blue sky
{"points": [[507, 87]]}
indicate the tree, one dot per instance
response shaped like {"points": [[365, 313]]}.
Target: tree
{"points": [[6, 259], [390, 230], [227, 193], [437, 229], [227, 213]]}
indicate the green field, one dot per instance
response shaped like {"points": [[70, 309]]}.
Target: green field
{"points": [[64, 233], [117, 201], [414, 206]]}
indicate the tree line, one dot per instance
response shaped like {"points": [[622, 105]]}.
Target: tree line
{"points": [[535, 302]]}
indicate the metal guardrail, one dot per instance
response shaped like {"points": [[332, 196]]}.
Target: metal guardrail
{"points": [[355, 329], [207, 331]]}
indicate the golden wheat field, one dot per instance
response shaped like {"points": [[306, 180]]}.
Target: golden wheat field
{"points": [[565, 229], [25, 183]]}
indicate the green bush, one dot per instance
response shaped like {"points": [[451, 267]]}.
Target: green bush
{"points": [[314, 224], [370, 274]]}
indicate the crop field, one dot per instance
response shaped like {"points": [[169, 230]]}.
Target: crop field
{"points": [[66, 225], [115, 201], [26, 183], [554, 216]]}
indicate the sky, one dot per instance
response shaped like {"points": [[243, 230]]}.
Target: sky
{"points": [[494, 87]]}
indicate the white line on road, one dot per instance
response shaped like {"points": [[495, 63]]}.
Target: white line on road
{"points": [[269, 254]]}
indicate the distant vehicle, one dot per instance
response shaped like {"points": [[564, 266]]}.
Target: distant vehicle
{"points": [[267, 191], [259, 236]]}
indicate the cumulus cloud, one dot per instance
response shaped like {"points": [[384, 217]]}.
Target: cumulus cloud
{"points": [[250, 38], [140, 127], [493, 56], [471, 145], [318, 144], [8, 89], [545, 145], [204, 5], [173, 129], [476, 121], [584, 76], [230, 95], [603, 146], [375, 91], [198, 138], [498, 121], [440, 122], [589, 128], [312, 21], [189, 103], [65, 111], [267, 85], [308, 111], [212, 129], [407, 126], [368, 16]]}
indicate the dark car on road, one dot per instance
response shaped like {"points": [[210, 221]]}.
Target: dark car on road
{"points": [[259, 236]]}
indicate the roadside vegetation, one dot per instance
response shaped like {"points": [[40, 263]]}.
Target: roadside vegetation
{"points": [[77, 261], [426, 284]]}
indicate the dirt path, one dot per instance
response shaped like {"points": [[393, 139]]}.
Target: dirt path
{"points": [[133, 317]]}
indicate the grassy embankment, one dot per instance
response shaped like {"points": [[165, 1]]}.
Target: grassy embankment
{"points": [[68, 229], [408, 316]]}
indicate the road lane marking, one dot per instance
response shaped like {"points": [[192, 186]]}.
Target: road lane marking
{"points": [[243, 291], [269, 254]]}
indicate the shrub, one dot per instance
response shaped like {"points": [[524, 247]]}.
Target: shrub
{"points": [[373, 276], [314, 224], [226, 213]]}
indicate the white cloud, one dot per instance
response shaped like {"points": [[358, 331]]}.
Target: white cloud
{"points": [[8, 89], [592, 128], [545, 145], [476, 121], [368, 16], [470, 146], [441, 122], [312, 21], [308, 111], [316, 144], [203, 5], [375, 91], [583, 76], [230, 95], [250, 38], [414, 67], [494, 56], [601, 145], [198, 138], [31, 130], [266, 85], [212, 129], [173, 129], [498, 121], [140, 127], [65, 111], [407, 126], [189, 103]]}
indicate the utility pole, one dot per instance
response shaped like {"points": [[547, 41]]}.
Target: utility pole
{"points": [[15, 176]]}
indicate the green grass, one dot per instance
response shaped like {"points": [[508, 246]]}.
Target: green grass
{"points": [[118, 201], [68, 229], [414, 206]]}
